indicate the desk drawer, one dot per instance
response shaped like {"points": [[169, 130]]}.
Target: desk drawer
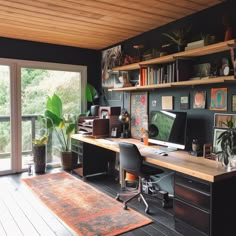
{"points": [[193, 216], [192, 183], [192, 196]]}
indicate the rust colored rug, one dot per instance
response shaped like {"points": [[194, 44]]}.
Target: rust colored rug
{"points": [[82, 207]]}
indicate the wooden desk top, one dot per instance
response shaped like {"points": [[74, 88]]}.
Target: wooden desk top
{"points": [[179, 161]]}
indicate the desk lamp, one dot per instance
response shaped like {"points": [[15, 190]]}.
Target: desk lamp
{"points": [[124, 120]]}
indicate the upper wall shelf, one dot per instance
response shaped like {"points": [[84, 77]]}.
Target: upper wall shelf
{"points": [[216, 80], [206, 50]]}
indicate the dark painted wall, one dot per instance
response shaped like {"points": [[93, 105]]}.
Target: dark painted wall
{"points": [[27, 50], [200, 121]]}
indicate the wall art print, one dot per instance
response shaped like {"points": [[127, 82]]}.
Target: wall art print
{"points": [[110, 59], [138, 113], [184, 102], [218, 99], [199, 100], [234, 103]]}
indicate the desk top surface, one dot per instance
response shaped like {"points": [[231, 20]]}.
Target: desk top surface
{"points": [[180, 161]]}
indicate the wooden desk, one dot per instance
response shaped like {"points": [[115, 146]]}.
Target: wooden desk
{"points": [[204, 191], [180, 161]]}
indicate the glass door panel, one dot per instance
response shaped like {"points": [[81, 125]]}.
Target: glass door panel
{"points": [[36, 85], [5, 120]]}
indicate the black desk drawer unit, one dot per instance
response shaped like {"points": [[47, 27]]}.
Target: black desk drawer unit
{"points": [[192, 205]]}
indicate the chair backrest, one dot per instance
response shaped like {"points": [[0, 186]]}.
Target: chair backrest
{"points": [[130, 158]]}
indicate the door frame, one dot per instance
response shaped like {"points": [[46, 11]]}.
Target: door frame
{"points": [[15, 97]]}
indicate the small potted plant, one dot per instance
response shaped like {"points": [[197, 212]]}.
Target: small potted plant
{"points": [[179, 37], [39, 146], [63, 126], [91, 96], [227, 141]]}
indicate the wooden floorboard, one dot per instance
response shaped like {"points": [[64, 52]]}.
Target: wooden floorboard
{"points": [[22, 213]]}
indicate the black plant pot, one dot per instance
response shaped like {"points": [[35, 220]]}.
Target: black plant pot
{"points": [[39, 154]]}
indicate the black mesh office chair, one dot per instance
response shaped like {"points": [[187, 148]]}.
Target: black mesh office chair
{"points": [[132, 162]]}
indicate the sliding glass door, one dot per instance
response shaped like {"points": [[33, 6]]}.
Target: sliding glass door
{"points": [[32, 82]]}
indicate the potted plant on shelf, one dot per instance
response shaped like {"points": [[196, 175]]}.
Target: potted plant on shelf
{"points": [[227, 141], [63, 126], [39, 146], [179, 37]]}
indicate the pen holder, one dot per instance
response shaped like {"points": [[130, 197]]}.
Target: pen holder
{"points": [[145, 140]]}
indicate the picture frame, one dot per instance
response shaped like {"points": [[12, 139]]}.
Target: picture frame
{"points": [[184, 102], [233, 103], [199, 99], [216, 134], [218, 99], [221, 118], [138, 113]]}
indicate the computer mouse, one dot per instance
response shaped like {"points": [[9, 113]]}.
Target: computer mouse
{"points": [[163, 154]]}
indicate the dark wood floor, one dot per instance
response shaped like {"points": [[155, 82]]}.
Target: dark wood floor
{"points": [[22, 213]]}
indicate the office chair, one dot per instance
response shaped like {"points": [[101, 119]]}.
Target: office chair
{"points": [[132, 162]]}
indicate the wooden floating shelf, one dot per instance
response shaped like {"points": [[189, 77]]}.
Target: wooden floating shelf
{"points": [[206, 50], [216, 80]]}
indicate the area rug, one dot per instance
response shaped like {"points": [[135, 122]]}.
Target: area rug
{"points": [[82, 207]]}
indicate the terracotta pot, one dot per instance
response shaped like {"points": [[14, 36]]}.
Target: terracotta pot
{"points": [[68, 160]]}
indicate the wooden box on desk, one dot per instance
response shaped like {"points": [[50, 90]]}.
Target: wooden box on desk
{"points": [[94, 126]]}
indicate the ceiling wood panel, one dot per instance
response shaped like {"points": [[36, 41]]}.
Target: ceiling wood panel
{"points": [[94, 24]]}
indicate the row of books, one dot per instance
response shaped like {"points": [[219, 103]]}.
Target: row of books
{"points": [[168, 73]]}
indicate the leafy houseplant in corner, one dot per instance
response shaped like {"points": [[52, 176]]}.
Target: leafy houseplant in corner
{"points": [[91, 96], [39, 147], [63, 126], [227, 141]]}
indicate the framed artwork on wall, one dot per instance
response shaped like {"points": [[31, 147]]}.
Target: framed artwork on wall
{"points": [[221, 119], [234, 103], [199, 100], [184, 102], [218, 99], [138, 113], [216, 145], [110, 58], [167, 102]]}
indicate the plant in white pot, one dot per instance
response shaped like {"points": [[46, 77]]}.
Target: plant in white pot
{"points": [[227, 141], [91, 96], [63, 126]]}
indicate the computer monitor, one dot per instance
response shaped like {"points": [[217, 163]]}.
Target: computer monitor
{"points": [[168, 128]]}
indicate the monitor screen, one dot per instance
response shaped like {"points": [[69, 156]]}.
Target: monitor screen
{"points": [[168, 128]]}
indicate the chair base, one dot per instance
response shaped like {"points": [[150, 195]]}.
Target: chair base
{"points": [[134, 195]]}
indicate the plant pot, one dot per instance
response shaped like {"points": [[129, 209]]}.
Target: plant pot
{"points": [[94, 110], [39, 154], [68, 160]]}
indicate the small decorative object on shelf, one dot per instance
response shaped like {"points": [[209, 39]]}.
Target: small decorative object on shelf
{"points": [[196, 148]]}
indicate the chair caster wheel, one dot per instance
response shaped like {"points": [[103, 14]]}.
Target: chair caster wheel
{"points": [[147, 211], [125, 207], [164, 204], [118, 198]]}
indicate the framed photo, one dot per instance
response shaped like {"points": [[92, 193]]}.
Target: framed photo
{"points": [[184, 102], [233, 103], [199, 100], [220, 119], [216, 145], [167, 102], [218, 99], [138, 113]]}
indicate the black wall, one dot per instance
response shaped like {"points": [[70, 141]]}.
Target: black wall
{"points": [[27, 50], [200, 121]]}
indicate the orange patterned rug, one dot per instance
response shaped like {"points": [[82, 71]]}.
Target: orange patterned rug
{"points": [[82, 207]]}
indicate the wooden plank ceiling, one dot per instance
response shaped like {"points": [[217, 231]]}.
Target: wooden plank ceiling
{"points": [[94, 24]]}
